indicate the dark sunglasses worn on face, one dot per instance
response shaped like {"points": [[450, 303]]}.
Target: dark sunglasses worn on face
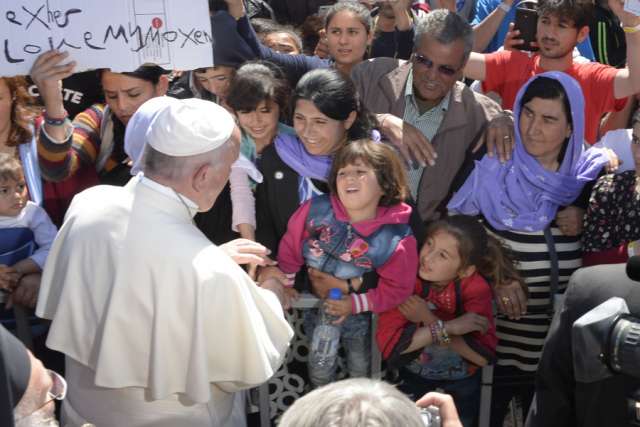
{"points": [[445, 70]]}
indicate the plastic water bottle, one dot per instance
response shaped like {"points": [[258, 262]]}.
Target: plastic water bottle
{"points": [[326, 336]]}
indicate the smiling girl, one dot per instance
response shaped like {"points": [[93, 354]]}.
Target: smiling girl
{"points": [[361, 227]]}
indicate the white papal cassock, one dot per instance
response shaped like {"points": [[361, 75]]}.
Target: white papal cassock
{"points": [[158, 325]]}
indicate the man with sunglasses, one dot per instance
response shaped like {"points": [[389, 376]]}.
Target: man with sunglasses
{"points": [[27, 389], [422, 102]]}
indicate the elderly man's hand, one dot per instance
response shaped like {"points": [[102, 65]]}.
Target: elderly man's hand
{"points": [[511, 299], [245, 251], [444, 402], [275, 286], [412, 144], [8, 277], [570, 220], [499, 137]]}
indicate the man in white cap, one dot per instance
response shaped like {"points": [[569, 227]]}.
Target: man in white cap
{"points": [[159, 326]]}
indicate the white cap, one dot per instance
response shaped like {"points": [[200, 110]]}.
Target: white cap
{"points": [[134, 136], [190, 127]]}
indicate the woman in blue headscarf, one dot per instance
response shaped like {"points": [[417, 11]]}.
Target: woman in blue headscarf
{"points": [[522, 202]]}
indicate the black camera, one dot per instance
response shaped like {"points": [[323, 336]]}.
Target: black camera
{"points": [[606, 341]]}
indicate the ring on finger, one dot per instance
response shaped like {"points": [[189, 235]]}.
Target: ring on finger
{"points": [[506, 137], [506, 300]]}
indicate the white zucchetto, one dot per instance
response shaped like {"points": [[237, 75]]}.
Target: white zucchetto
{"points": [[190, 127]]}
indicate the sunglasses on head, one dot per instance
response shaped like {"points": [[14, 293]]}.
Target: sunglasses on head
{"points": [[426, 62]]}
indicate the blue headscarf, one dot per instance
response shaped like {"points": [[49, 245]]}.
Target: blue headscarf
{"points": [[520, 194]]}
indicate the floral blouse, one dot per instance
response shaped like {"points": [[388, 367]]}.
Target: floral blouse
{"points": [[613, 215]]}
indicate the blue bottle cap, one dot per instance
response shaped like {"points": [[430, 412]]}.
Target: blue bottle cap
{"points": [[335, 294]]}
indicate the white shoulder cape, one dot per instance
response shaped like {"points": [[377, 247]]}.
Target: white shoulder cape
{"points": [[140, 296]]}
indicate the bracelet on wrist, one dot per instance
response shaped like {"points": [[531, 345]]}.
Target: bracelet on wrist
{"points": [[55, 121], [504, 7], [443, 333], [630, 30], [435, 336]]}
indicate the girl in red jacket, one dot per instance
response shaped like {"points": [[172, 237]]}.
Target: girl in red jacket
{"points": [[440, 336]]}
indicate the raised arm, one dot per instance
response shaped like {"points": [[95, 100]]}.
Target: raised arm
{"points": [[627, 81]]}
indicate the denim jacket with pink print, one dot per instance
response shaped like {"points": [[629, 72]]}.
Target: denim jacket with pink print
{"points": [[320, 235]]}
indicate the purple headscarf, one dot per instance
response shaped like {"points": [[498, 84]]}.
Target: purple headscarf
{"points": [[292, 152], [520, 194]]}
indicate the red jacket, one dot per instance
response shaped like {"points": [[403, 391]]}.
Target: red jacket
{"points": [[395, 332]]}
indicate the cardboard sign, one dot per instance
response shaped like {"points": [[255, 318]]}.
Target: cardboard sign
{"points": [[116, 34]]}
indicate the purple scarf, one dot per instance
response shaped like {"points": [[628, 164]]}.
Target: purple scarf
{"points": [[293, 153], [520, 194]]}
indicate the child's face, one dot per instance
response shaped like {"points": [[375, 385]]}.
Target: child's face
{"points": [[439, 258], [358, 187], [216, 80], [13, 197]]}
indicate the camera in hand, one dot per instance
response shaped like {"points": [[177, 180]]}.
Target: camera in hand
{"points": [[606, 342], [431, 416], [527, 23]]}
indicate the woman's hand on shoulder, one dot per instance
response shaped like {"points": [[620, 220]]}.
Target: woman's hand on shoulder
{"points": [[511, 299]]}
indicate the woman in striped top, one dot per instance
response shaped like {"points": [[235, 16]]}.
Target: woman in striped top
{"points": [[524, 202]]}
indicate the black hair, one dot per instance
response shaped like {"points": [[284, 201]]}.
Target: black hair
{"points": [[478, 248], [256, 82], [336, 97], [580, 12], [358, 9]]}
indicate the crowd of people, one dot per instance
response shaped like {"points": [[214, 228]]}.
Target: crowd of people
{"points": [[407, 153]]}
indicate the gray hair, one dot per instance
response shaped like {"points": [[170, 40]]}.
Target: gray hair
{"points": [[358, 402], [446, 27], [175, 169], [635, 119]]}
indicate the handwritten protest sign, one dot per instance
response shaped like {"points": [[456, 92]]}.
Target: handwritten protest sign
{"points": [[116, 34]]}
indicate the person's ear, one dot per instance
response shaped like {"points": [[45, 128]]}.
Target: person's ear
{"points": [[351, 118], [162, 86], [583, 33], [200, 178], [370, 37], [466, 272]]}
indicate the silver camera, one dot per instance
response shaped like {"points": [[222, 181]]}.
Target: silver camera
{"points": [[431, 416]]}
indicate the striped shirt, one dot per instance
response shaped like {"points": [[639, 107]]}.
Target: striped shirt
{"points": [[428, 123], [58, 161], [520, 341]]}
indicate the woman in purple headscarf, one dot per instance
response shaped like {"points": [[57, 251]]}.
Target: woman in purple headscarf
{"points": [[523, 202]]}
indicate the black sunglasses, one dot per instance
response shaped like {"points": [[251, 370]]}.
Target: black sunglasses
{"points": [[426, 62]]}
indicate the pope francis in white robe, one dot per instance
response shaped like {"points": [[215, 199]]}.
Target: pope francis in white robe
{"points": [[159, 326]]}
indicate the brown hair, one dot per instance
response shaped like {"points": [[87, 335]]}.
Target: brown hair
{"points": [[388, 168], [10, 168], [22, 111], [478, 248]]}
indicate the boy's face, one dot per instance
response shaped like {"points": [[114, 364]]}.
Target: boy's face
{"points": [[13, 197], [557, 36]]}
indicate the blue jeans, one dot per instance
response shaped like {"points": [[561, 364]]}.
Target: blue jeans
{"points": [[465, 392], [355, 336]]}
